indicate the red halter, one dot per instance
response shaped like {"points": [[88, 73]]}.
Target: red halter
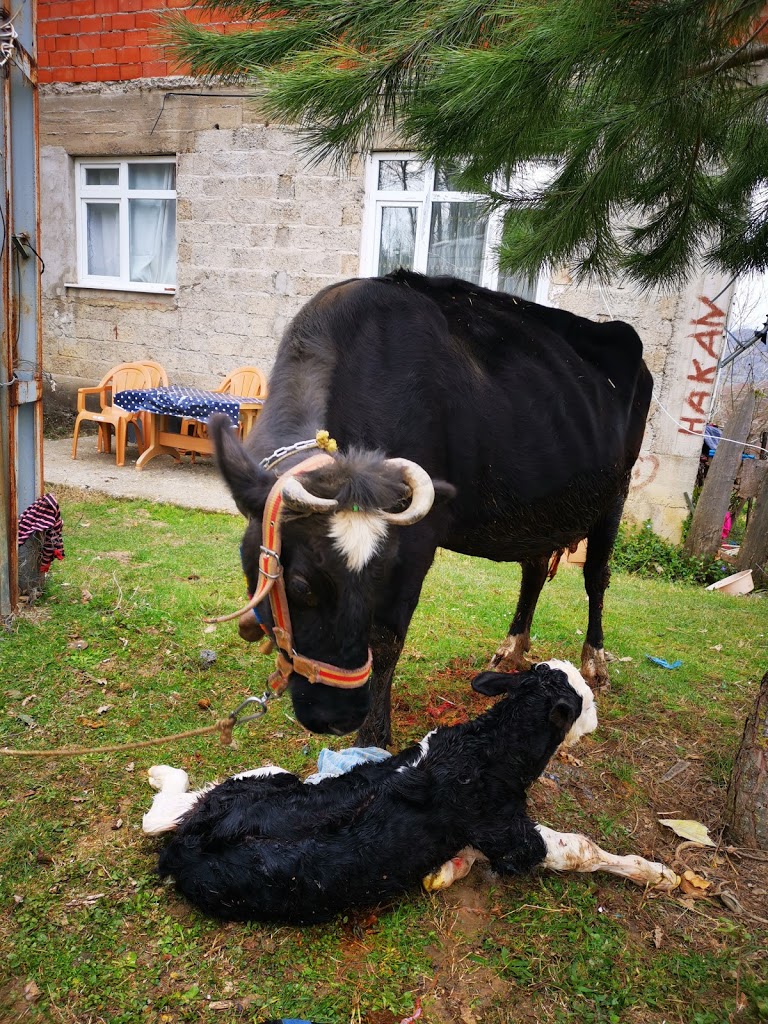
{"points": [[271, 585]]}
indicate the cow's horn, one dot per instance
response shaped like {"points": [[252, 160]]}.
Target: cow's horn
{"points": [[297, 497], [422, 493]]}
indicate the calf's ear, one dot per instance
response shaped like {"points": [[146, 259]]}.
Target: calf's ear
{"points": [[494, 683], [563, 715]]}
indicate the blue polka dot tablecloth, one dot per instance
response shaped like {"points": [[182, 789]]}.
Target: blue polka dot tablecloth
{"points": [[189, 403]]}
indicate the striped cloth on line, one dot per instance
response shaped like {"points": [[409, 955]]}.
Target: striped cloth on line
{"points": [[44, 516]]}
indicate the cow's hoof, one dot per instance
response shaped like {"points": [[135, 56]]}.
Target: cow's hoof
{"points": [[594, 668], [511, 657], [668, 881]]}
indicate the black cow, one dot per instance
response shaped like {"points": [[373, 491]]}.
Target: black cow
{"points": [[527, 418]]}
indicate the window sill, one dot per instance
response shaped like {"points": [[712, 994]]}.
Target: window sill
{"points": [[151, 289]]}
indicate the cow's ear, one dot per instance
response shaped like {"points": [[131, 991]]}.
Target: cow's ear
{"points": [[563, 715], [494, 683], [247, 481], [443, 491]]}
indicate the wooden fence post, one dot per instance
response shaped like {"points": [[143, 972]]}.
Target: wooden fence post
{"points": [[746, 809], [706, 529], [753, 553]]}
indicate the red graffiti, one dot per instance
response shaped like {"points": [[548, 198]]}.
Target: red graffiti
{"points": [[713, 322]]}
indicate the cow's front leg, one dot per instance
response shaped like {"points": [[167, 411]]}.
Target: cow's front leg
{"points": [[597, 576], [511, 656], [376, 730], [569, 851]]}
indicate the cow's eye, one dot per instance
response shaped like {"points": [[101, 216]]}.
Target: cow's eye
{"points": [[301, 592]]}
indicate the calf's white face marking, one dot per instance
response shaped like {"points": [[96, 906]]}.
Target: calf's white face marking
{"points": [[587, 720], [357, 536]]}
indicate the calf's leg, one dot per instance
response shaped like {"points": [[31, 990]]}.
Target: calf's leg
{"points": [[454, 869], [569, 851], [511, 656], [172, 800]]}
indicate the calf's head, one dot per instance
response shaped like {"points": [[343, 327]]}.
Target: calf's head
{"points": [[339, 532]]}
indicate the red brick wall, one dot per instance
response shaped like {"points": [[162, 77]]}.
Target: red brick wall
{"points": [[103, 40]]}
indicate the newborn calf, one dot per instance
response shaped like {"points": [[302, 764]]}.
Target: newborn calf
{"points": [[265, 846]]}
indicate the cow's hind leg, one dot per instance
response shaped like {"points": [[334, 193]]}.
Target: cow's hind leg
{"points": [[511, 656], [172, 800], [569, 851], [597, 575], [454, 869]]}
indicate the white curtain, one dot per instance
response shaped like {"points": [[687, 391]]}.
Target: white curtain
{"points": [[457, 240], [152, 226], [103, 239]]}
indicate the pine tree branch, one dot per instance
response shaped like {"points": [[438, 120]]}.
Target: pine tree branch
{"points": [[750, 54]]}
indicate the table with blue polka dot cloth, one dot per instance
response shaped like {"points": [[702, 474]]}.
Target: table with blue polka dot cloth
{"points": [[188, 403]]}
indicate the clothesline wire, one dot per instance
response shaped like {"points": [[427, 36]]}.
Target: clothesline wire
{"points": [[696, 433]]}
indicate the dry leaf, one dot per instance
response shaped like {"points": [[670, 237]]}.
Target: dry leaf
{"points": [[658, 936], [211, 628], [694, 885], [31, 992], [77, 644], [29, 699], [675, 770], [130, 766], [694, 831], [220, 1004], [717, 647], [29, 722], [103, 709], [204, 703], [89, 723], [117, 824], [85, 596]]}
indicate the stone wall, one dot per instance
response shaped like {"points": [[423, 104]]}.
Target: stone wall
{"points": [[260, 231]]}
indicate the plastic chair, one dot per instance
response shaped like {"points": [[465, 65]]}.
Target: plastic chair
{"points": [[159, 379], [126, 376], [245, 382]]}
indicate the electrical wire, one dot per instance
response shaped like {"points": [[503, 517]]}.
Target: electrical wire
{"points": [[695, 433]]}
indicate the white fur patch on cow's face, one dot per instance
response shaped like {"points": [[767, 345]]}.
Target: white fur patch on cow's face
{"points": [[357, 536], [587, 720]]}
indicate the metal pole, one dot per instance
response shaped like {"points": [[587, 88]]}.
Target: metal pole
{"points": [[21, 419]]}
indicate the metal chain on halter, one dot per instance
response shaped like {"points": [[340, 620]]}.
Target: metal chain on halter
{"points": [[322, 440]]}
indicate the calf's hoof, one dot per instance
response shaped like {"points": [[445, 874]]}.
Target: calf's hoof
{"points": [[170, 780]]}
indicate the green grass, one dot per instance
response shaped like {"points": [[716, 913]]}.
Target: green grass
{"points": [[83, 916]]}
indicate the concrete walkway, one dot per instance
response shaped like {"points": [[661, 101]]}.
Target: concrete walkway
{"points": [[163, 479]]}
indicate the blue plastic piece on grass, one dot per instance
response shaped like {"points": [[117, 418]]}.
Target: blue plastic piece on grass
{"points": [[664, 664]]}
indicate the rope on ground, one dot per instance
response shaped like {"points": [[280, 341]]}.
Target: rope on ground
{"points": [[224, 725]]}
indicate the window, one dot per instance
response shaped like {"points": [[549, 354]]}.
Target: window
{"points": [[126, 224], [416, 218]]}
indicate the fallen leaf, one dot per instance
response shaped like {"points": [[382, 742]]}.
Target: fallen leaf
{"points": [[220, 1004], [43, 858], [731, 902], [29, 722], [89, 723], [204, 703], [103, 709], [78, 799], [13, 694], [688, 829], [658, 936], [211, 628], [676, 769], [29, 699], [117, 824], [85, 595], [77, 644], [31, 992], [694, 885], [716, 647], [130, 766]]}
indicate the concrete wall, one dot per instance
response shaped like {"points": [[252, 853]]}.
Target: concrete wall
{"points": [[259, 232]]}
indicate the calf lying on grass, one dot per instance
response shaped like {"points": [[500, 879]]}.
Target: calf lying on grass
{"points": [[265, 846]]}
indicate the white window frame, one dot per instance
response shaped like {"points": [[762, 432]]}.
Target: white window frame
{"points": [[376, 199], [119, 193]]}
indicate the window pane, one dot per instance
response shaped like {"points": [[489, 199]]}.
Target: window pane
{"points": [[156, 176], [102, 176], [398, 237], [401, 176], [152, 240], [103, 239], [516, 284], [446, 178], [456, 240]]}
